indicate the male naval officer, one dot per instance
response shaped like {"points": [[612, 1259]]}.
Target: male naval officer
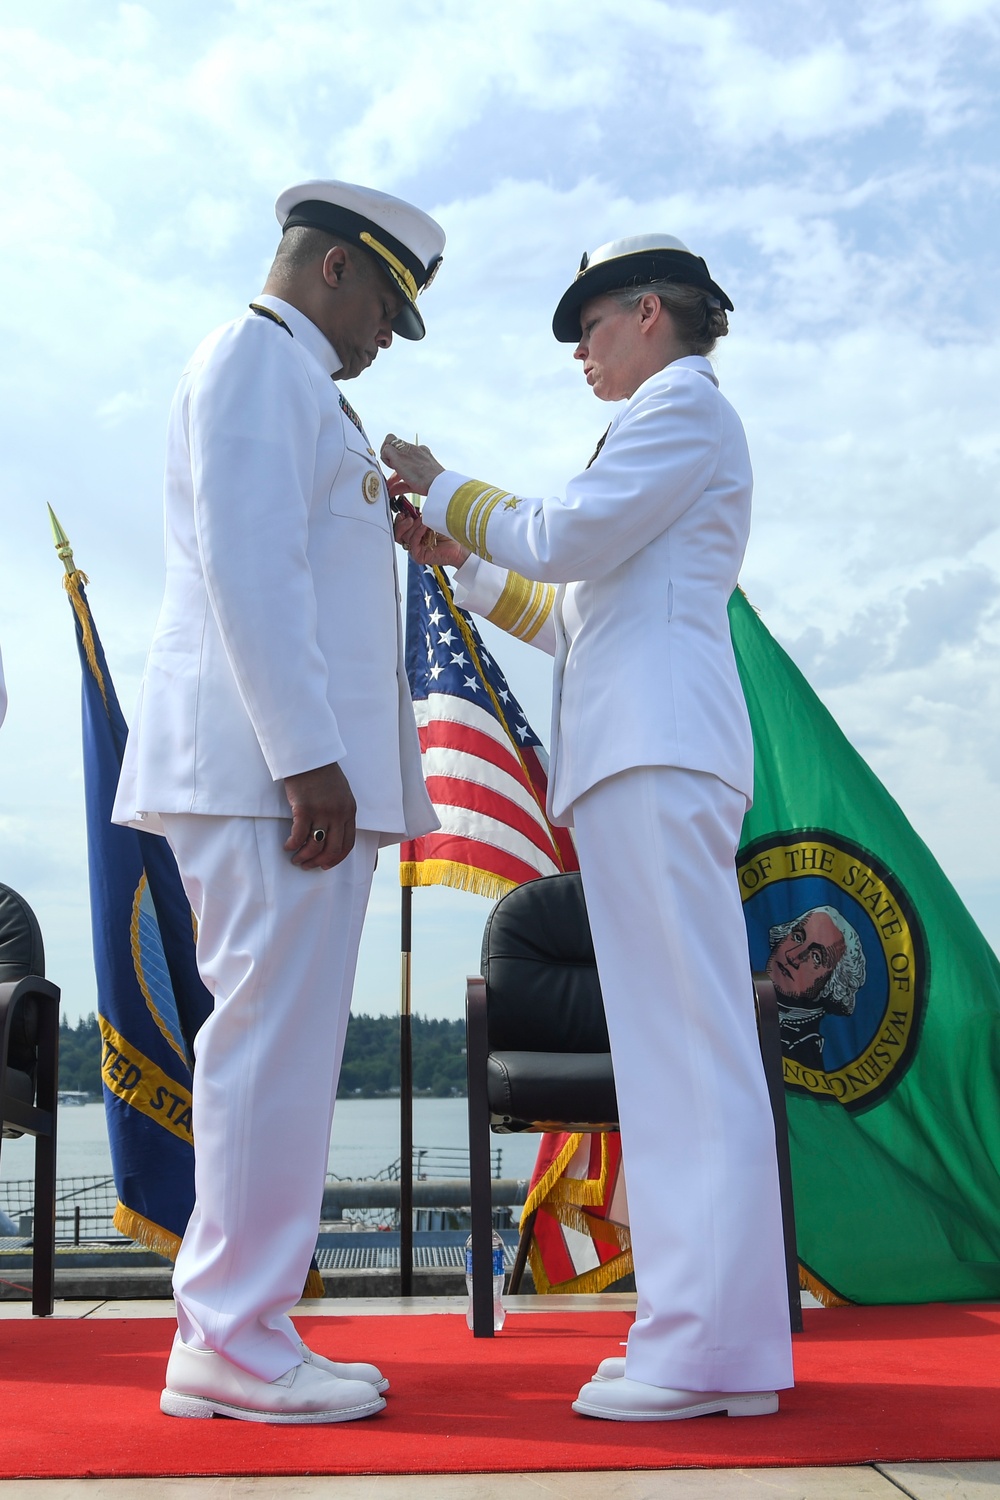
{"points": [[274, 745]]}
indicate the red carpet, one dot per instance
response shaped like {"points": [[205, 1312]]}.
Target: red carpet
{"points": [[79, 1398]]}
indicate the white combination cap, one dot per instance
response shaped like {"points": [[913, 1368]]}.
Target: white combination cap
{"points": [[632, 262], [407, 242]]}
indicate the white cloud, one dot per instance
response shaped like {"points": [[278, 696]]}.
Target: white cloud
{"points": [[835, 166]]}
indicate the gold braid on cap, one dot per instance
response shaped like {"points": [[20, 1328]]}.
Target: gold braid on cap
{"points": [[406, 279]]}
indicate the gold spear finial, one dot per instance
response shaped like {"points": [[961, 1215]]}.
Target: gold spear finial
{"points": [[61, 540], [73, 583]]}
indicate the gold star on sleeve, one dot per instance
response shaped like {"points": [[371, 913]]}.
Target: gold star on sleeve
{"points": [[469, 511]]}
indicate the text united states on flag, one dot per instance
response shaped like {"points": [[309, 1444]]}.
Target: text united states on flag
{"points": [[485, 768]]}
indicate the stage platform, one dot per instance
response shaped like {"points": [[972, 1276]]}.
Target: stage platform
{"points": [[920, 1481]]}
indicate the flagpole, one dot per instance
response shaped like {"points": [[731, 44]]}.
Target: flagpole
{"points": [[405, 1099], [406, 1086]]}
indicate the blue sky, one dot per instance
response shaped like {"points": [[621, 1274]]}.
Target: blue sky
{"points": [[835, 164]]}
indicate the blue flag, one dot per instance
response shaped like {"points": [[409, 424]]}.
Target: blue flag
{"points": [[150, 998]]}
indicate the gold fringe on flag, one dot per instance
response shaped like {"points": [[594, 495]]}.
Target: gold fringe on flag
{"points": [[554, 1188], [567, 1199], [314, 1286], [810, 1282], [545, 1184], [460, 877], [135, 1226], [599, 1277]]}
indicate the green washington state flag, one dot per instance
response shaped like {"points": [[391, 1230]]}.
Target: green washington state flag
{"points": [[889, 1002]]}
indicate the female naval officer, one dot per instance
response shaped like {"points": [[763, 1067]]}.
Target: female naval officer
{"points": [[624, 578]]}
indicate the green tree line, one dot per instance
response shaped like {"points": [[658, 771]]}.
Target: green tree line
{"points": [[80, 1055], [371, 1057]]}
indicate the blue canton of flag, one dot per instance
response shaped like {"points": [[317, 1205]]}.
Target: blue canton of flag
{"points": [[485, 768], [151, 1000]]}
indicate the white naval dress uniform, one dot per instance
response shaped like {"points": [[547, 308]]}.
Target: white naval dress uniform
{"points": [[278, 649], [651, 761]]}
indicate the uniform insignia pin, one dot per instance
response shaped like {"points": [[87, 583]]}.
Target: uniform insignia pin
{"points": [[371, 487]]}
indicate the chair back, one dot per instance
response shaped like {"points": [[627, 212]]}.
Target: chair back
{"points": [[21, 953], [542, 989]]}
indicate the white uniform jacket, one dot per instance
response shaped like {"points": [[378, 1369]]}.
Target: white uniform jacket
{"points": [[635, 565], [278, 646]]}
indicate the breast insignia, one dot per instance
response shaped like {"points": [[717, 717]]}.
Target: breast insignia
{"points": [[371, 487]]}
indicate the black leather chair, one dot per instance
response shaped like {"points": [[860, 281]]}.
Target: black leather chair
{"points": [[539, 1058], [29, 1073]]}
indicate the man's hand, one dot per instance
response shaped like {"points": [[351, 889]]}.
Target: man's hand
{"points": [[427, 546], [416, 468], [320, 800]]}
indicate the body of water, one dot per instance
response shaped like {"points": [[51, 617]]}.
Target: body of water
{"points": [[365, 1139]]}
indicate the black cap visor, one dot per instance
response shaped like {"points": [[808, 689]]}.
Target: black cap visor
{"points": [[353, 228], [623, 271]]}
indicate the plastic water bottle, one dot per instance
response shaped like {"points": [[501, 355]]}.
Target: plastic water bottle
{"points": [[499, 1311]]}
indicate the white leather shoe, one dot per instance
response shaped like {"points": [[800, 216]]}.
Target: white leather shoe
{"points": [[201, 1383], [624, 1400], [371, 1374], [609, 1369]]}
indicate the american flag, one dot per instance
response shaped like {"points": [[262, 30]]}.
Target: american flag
{"points": [[580, 1237], [485, 768]]}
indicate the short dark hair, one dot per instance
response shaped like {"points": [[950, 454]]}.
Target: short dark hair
{"points": [[302, 245]]}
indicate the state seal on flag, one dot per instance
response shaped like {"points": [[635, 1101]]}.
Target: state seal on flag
{"points": [[841, 942]]}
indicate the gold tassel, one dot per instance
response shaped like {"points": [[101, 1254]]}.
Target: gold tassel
{"points": [[72, 583], [135, 1227], [809, 1282]]}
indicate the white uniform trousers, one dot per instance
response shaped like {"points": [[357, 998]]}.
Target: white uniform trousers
{"points": [[277, 948], [657, 850]]}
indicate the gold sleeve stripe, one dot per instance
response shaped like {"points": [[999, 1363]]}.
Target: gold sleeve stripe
{"points": [[523, 607], [469, 511]]}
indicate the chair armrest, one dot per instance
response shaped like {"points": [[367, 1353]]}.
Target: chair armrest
{"points": [[13, 990], [477, 1035], [47, 1078]]}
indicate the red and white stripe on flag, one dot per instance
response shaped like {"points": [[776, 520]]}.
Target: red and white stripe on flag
{"points": [[580, 1241], [484, 766], [487, 776]]}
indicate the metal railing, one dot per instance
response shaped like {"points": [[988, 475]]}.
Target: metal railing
{"points": [[431, 1162], [85, 1208]]}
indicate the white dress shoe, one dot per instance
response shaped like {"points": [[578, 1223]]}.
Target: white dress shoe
{"points": [[625, 1400], [609, 1369], [371, 1374], [201, 1383]]}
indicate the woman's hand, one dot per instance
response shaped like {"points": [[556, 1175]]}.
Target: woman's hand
{"points": [[427, 546], [416, 468]]}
